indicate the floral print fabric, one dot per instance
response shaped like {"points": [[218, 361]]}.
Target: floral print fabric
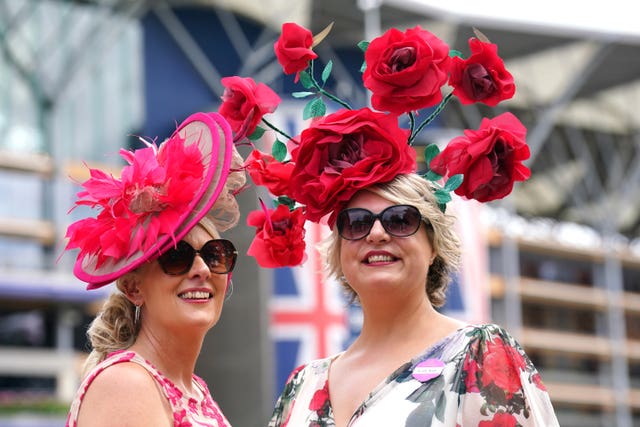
{"points": [[187, 412], [486, 380]]}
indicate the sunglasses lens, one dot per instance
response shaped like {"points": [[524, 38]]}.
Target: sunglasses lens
{"points": [[177, 260], [354, 224], [401, 221], [219, 255]]}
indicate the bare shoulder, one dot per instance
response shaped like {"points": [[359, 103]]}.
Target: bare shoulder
{"points": [[125, 395]]}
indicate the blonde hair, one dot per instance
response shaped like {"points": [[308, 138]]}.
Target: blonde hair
{"points": [[115, 328], [410, 189]]}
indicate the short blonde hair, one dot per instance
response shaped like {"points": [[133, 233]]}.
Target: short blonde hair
{"points": [[410, 189]]}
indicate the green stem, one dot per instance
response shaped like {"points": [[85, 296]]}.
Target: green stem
{"points": [[412, 125], [322, 90], [276, 129], [432, 116]]}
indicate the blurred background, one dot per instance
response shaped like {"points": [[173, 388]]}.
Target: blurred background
{"points": [[557, 263]]}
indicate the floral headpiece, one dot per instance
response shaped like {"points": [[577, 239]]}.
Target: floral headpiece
{"points": [[350, 149], [159, 197]]}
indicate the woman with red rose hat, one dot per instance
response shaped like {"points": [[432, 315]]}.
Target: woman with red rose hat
{"points": [[393, 248], [392, 245], [157, 235]]}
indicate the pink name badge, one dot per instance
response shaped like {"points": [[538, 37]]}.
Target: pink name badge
{"points": [[428, 369]]}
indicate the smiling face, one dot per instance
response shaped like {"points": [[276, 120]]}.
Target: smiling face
{"points": [[380, 263], [190, 302]]}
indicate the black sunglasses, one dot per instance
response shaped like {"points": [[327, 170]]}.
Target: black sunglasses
{"points": [[397, 220], [219, 255]]}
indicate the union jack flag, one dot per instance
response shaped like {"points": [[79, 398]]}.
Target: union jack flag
{"points": [[308, 314]]}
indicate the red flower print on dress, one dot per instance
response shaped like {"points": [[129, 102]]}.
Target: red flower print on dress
{"points": [[482, 77], [293, 48], [490, 158], [502, 368], [406, 71], [279, 240], [344, 152], [500, 419]]}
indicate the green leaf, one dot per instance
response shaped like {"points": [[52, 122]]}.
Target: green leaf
{"points": [[363, 67], [363, 45], [432, 176], [442, 196], [327, 71], [430, 152], [302, 94], [305, 80], [454, 52], [257, 134], [279, 150], [314, 108], [284, 200], [454, 182]]}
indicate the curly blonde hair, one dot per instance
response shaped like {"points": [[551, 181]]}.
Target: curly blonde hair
{"points": [[115, 328], [410, 189]]}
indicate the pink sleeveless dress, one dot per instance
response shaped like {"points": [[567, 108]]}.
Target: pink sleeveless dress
{"points": [[187, 412]]}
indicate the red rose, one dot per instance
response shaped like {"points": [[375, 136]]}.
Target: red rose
{"points": [[500, 420], [293, 48], [490, 158], [501, 368], [265, 170], [244, 103], [405, 71], [482, 77], [279, 240], [344, 152]]}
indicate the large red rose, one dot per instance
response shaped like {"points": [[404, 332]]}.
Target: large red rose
{"points": [[279, 240], [482, 77], [344, 152], [244, 103], [500, 419], [490, 158], [293, 48], [405, 71], [265, 170]]}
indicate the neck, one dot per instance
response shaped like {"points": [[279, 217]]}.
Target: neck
{"points": [[174, 356], [391, 322]]}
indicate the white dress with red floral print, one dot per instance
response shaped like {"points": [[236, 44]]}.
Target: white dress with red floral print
{"points": [[187, 412], [479, 376]]}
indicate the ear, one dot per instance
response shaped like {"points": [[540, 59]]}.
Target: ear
{"points": [[129, 286]]}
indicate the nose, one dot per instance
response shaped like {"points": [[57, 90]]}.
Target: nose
{"points": [[199, 268], [377, 232]]}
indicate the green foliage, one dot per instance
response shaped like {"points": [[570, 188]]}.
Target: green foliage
{"points": [[257, 134], [302, 94], [279, 150], [314, 108], [327, 71], [305, 79]]}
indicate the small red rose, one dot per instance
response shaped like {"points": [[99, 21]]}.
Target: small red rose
{"points": [[244, 103], [482, 77], [279, 240], [406, 71], [265, 170], [490, 158], [293, 48]]}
